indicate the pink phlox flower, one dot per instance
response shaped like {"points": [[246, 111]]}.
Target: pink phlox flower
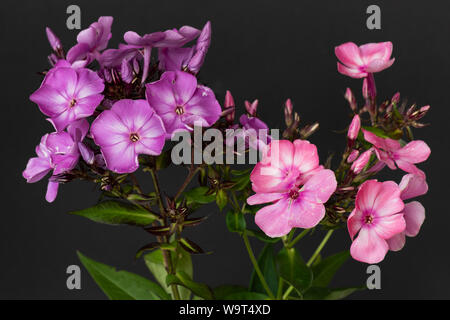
{"points": [[358, 62], [377, 217], [394, 155]]}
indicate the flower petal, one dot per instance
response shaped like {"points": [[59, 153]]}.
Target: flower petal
{"points": [[260, 198], [369, 247], [397, 242], [388, 226], [273, 219], [52, 191], [121, 157], [412, 186], [305, 214], [414, 213], [414, 152]]}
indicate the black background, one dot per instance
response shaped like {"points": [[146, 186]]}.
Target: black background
{"points": [[270, 50]]}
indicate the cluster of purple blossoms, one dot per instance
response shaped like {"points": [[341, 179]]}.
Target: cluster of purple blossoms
{"points": [[127, 107]]}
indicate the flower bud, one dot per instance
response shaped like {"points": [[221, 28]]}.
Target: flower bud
{"points": [[288, 108], [352, 156], [53, 40], [361, 162], [351, 99], [251, 107], [396, 98], [229, 103], [365, 89], [354, 128]]}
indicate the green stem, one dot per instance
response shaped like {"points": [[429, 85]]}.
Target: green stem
{"points": [[166, 254], [256, 266], [319, 248], [297, 238], [188, 179], [288, 291]]}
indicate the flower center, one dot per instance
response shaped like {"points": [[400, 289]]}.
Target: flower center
{"points": [[179, 110], [368, 219], [72, 103], [293, 194], [134, 137]]}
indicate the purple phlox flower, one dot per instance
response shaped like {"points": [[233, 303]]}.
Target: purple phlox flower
{"points": [[91, 41], [68, 94], [181, 102], [188, 59], [252, 130], [58, 151], [130, 128], [172, 38]]}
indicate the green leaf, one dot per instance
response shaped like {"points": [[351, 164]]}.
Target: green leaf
{"points": [[261, 236], [180, 259], [293, 269], [377, 131], [266, 262], [190, 246], [122, 285], [183, 279], [326, 269], [199, 195], [221, 292], [247, 296], [152, 246], [221, 199], [235, 221], [117, 212], [320, 293], [241, 182]]}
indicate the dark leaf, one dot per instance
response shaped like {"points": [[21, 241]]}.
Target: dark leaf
{"points": [[190, 246], [235, 221], [266, 262], [326, 269], [183, 279], [293, 269]]}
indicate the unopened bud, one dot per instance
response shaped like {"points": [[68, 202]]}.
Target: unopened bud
{"points": [[53, 40], [351, 99], [361, 162], [309, 130], [251, 107], [229, 104], [352, 156], [353, 129], [288, 108], [396, 98]]}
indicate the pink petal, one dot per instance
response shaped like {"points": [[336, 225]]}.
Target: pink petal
{"points": [[367, 193], [414, 213], [269, 179], [397, 242], [78, 129], [376, 51], [412, 186], [273, 219], [349, 54], [108, 129], [354, 73], [414, 152], [379, 65], [52, 191], [204, 105], [89, 83], [354, 222], [305, 155], [410, 168], [260, 198], [121, 157], [383, 143], [305, 214], [36, 169], [320, 186], [388, 226], [50, 101], [387, 201], [369, 247]]}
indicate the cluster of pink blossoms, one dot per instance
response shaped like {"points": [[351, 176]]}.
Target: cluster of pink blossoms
{"points": [[82, 103], [290, 178]]}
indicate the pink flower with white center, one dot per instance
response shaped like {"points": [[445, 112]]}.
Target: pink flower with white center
{"points": [[58, 151], [128, 129], [376, 218], [411, 186], [394, 155], [359, 62], [67, 95], [297, 207], [181, 102], [91, 41], [285, 165]]}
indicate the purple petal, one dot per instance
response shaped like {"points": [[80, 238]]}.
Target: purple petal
{"points": [[121, 157], [52, 191], [36, 169]]}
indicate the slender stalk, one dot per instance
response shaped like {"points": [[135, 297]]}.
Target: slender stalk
{"points": [[288, 291], [280, 288], [297, 238], [256, 266], [188, 179], [166, 255], [319, 248]]}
